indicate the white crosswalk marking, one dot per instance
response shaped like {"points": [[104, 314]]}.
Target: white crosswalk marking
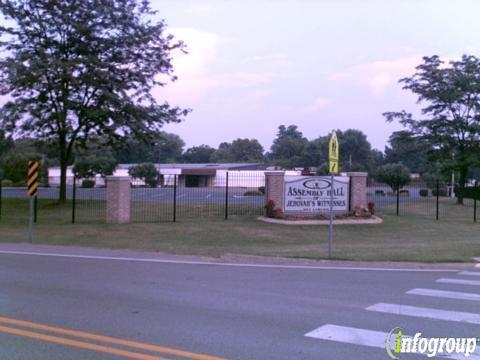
{"points": [[428, 313], [445, 294], [469, 273], [364, 337], [349, 335], [377, 339], [459, 282]]}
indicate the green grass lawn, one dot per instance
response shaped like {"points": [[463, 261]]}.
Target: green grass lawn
{"points": [[413, 236]]}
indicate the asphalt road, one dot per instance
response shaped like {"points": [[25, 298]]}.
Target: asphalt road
{"points": [[228, 311]]}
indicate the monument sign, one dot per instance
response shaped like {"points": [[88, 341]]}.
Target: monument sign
{"points": [[311, 194]]}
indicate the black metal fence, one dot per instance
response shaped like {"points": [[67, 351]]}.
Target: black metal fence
{"points": [[233, 194], [230, 194], [419, 199], [221, 197]]}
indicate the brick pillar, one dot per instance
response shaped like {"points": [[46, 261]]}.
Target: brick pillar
{"points": [[274, 182], [358, 188], [118, 199]]}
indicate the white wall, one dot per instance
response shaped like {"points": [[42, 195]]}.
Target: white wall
{"points": [[245, 178], [236, 178], [54, 177], [240, 178]]}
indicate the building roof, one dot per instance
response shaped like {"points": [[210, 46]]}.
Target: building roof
{"points": [[212, 166]]}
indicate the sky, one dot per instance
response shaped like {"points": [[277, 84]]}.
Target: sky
{"points": [[321, 65]]}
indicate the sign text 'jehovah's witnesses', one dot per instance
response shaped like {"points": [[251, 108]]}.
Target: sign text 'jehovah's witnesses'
{"points": [[312, 193]]}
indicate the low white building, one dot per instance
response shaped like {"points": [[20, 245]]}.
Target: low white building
{"points": [[248, 175]]}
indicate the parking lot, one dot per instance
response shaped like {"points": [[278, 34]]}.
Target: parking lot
{"points": [[209, 195]]}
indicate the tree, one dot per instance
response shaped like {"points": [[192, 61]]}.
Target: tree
{"points": [[378, 159], [410, 151], [162, 147], [14, 162], [168, 148], [198, 154], [5, 143], [239, 150], [394, 175], [147, 172], [315, 154], [355, 151], [451, 95], [96, 158], [76, 68], [288, 147]]}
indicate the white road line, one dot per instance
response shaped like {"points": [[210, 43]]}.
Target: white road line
{"points": [[363, 337], [188, 262], [349, 335], [208, 196], [477, 266], [445, 294], [469, 273], [459, 282], [428, 313]]}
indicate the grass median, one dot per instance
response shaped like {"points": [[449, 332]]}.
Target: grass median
{"points": [[415, 235]]}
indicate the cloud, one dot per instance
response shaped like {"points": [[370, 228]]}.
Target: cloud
{"points": [[191, 68], [202, 48], [197, 72], [317, 105], [279, 59], [243, 79], [379, 75], [198, 9]]}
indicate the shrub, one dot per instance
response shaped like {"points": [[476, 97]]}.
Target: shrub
{"points": [[269, 206], [394, 175], [404, 193], [371, 207], [441, 192], [7, 183], [21, 183], [380, 192], [88, 184], [423, 192], [146, 172], [262, 189], [252, 193]]}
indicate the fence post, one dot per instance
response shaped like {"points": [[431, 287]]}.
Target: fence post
{"points": [[35, 205], [175, 198], [74, 196], [398, 198], [350, 194], [438, 197], [475, 202], [226, 197]]}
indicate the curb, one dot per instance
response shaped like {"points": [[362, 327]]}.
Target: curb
{"points": [[373, 220], [228, 259]]}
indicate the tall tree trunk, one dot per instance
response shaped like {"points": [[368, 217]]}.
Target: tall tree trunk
{"points": [[62, 197], [63, 181], [461, 185]]}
